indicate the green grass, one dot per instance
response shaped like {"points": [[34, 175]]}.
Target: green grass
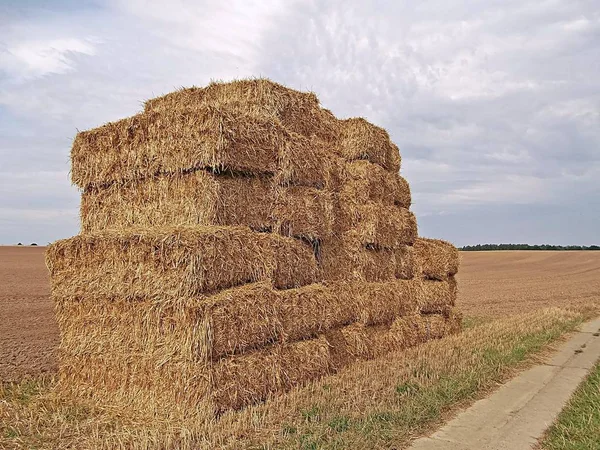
{"points": [[578, 425]]}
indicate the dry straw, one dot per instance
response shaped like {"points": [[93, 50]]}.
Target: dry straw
{"points": [[203, 198], [175, 141], [376, 225], [176, 262], [236, 320], [360, 139], [437, 259], [366, 182], [299, 112]]}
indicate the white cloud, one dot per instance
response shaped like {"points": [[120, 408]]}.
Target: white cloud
{"points": [[36, 58]]}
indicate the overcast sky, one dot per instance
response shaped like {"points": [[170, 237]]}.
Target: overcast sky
{"points": [[495, 104]]}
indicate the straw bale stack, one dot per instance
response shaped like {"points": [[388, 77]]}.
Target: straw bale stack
{"points": [[236, 241]]}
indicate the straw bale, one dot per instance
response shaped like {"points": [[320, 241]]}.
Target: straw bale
{"points": [[435, 296], [175, 141], [252, 377], [176, 262], [203, 198], [377, 225], [406, 263], [304, 213], [437, 259], [138, 385], [367, 181], [197, 198], [360, 139], [360, 341], [345, 258], [150, 386], [311, 310], [298, 111], [232, 321]]}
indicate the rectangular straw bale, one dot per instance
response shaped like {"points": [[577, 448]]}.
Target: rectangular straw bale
{"points": [[166, 329], [250, 378], [377, 225], [308, 162], [298, 111], [140, 386], [345, 259], [204, 198], [304, 212], [175, 141], [359, 341], [435, 296], [367, 181], [437, 259], [197, 198], [406, 263], [176, 262], [360, 139], [311, 310], [380, 303]]}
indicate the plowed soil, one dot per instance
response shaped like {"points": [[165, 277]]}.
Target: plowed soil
{"points": [[28, 331], [492, 284]]}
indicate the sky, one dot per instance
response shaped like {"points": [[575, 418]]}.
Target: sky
{"points": [[495, 104]]}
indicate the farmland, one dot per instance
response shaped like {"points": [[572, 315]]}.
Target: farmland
{"points": [[507, 299]]}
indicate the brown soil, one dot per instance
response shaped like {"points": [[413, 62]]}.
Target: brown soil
{"points": [[492, 284], [28, 331], [502, 283]]}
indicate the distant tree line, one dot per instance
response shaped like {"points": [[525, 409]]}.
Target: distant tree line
{"points": [[485, 247]]}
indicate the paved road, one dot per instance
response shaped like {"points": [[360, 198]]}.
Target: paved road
{"points": [[516, 416]]}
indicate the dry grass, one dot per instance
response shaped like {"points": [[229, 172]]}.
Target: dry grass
{"points": [[373, 404]]}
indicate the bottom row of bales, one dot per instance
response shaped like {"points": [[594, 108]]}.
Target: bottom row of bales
{"points": [[179, 387], [207, 319]]}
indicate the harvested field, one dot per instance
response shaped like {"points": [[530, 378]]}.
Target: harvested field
{"points": [[504, 283], [491, 284], [28, 330]]}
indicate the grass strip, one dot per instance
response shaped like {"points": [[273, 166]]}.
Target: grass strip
{"points": [[578, 425]]}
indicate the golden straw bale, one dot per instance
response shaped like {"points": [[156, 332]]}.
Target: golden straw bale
{"points": [[311, 310], [172, 141], [406, 263], [252, 377], [377, 225], [148, 386], [197, 198], [141, 386], [367, 181], [232, 321], [360, 139], [359, 341], [304, 212], [435, 296], [177, 262], [437, 259], [166, 329], [203, 198], [298, 111], [381, 303], [345, 258]]}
